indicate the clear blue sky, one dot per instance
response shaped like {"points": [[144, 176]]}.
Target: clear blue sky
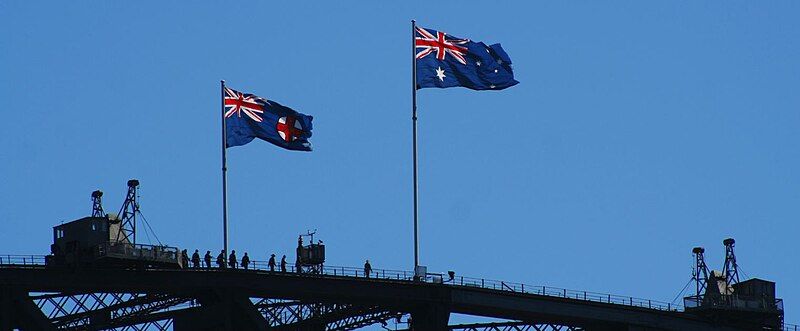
{"points": [[638, 130]]}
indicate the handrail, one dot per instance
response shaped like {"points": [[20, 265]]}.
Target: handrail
{"points": [[22, 260]]}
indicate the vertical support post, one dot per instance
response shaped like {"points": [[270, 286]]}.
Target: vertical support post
{"points": [[414, 122], [135, 202], [430, 317], [7, 316], [224, 171]]}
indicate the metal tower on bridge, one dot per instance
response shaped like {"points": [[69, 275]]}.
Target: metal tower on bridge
{"points": [[700, 270], [722, 297], [731, 269], [127, 214], [97, 204]]}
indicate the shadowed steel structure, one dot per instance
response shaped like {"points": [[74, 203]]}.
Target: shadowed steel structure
{"points": [[338, 298]]}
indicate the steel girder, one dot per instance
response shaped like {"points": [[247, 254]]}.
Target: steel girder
{"points": [[141, 311], [365, 319], [513, 326], [80, 311], [293, 315]]}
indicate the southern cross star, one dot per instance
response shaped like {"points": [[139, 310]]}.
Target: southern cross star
{"points": [[440, 73]]}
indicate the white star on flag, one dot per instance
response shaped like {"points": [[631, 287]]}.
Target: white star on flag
{"points": [[440, 73]]}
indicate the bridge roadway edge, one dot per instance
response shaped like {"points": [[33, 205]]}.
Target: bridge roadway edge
{"points": [[397, 295]]}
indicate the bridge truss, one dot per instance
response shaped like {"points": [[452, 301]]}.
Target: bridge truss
{"points": [[141, 311], [33, 297]]}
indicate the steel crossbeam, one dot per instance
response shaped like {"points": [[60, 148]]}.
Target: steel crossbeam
{"points": [[293, 314], [513, 326], [77, 311], [354, 322]]}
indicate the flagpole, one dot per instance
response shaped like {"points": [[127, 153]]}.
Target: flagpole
{"points": [[224, 173], [414, 121]]}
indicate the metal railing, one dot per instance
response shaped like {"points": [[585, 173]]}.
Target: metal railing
{"points": [[138, 251], [561, 293], [790, 327], [402, 275], [22, 260], [733, 301], [336, 271]]}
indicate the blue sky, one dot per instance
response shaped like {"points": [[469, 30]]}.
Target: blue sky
{"points": [[638, 130]]}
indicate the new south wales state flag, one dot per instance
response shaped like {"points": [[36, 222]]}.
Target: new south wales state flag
{"points": [[248, 116]]}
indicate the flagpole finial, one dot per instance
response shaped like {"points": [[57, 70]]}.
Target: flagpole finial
{"points": [[413, 21], [222, 81]]}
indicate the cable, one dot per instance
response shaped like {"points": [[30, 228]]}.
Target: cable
{"points": [[148, 236], [683, 290], [746, 276], [151, 229], [137, 210]]}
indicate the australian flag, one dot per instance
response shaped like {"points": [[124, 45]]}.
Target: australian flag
{"points": [[248, 116], [447, 61]]}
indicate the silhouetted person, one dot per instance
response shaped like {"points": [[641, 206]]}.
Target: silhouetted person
{"points": [[283, 264], [367, 269], [221, 259], [232, 259], [271, 263], [207, 259], [184, 259], [196, 259], [245, 261]]}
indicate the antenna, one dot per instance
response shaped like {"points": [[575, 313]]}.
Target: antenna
{"points": [[127, 228], [700, 271], [97, 204], [309, 233], [731, 269]]}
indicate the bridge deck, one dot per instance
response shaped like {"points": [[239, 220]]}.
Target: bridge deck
{"points": [[35, 261], [389, 289]]}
